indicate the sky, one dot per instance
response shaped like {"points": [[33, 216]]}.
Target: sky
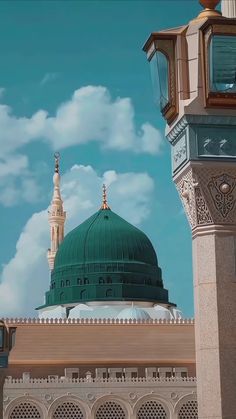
{"points": [[74, 79]]}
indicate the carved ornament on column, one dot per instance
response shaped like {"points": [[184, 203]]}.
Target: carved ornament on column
{"points": [[203, 214], [223, 193], [208, 195]]}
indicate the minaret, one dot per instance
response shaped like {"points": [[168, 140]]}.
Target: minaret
{"points": [[57, 216]]}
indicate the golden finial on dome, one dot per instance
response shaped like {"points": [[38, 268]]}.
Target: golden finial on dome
{"points": [[209, 8], [56, 157], [104, 198]]}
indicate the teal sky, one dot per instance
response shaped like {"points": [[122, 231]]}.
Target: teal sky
{"points": [[49, 49]]}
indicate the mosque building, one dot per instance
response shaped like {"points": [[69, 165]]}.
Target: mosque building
{"points": [[104, 268], [107, 343]]}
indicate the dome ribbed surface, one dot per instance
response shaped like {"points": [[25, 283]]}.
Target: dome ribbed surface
{"points": [[105, 236], [105, 259]]}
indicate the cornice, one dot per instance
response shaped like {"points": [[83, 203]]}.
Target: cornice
{"points": [[94, 322]]}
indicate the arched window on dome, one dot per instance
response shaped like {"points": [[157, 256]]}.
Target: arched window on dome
{"points": [[83, 294], [123, 279], [109, 292]]}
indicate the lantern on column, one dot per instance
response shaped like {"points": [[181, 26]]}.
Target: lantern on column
{"points": [[194, 76]]}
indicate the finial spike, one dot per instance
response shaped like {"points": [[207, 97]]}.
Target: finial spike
{"points": [[57, 158], [104, 197]]}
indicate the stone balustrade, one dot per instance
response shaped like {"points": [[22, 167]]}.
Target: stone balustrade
{"points": [[65, 381], [92, 321], [89, 398]]}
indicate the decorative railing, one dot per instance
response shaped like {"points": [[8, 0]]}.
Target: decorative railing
{"points": [[97, 321], [64, 381]]}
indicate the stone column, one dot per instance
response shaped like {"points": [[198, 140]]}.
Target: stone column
{"points": [[208, 192], [228, 8], [201, 128], [2, 379]]}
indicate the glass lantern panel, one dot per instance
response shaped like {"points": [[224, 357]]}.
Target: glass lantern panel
{"points": [[222, 58], [160, 79]]}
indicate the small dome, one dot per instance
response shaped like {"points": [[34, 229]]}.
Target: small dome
{"points": [[133, 313]]}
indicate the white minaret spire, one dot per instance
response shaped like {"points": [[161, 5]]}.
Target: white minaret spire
{"points": [[57, 216]]}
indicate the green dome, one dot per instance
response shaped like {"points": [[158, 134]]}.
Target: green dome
{"points": [[105, 237], [105, 259]]}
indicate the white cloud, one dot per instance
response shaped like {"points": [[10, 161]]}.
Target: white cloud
{"points": [[2, 91], [90, 115], [17, 182], [15, 164], [49, 77], [25, 278], [26, 189]]}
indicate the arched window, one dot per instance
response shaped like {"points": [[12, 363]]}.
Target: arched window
{"points": [[189, 410], [79, 281], [109, 280], [67, 282], [62, 284], [86, 281], [152, 409], [68, 410], [109, 292], [25, 410], [62, 296], [101, 280], [110, 410], [83, 294]]}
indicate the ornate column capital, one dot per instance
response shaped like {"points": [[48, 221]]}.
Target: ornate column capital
{"points": [[208, 194]]}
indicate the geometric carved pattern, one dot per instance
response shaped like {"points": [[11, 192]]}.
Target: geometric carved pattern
{"points": [[223, 193], [151, 410], [68, 410], [185, 188], [189, 410], [203, 214], [110, 410], [208, 195], [25, 411]]}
